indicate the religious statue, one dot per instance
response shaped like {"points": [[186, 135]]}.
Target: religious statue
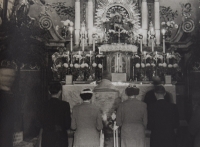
{"points": [[83, 35]]}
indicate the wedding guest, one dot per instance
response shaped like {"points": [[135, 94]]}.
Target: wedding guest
{"points": [[86, 121], [7, 106], [194, 126], [150, 97], [132, 118], [162, 120], [105, 84], [55, 119]]}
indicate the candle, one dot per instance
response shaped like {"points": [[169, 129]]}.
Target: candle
{"points": [[152, 43], [94, 44], [68, 56], [167, 58], [156, 57], [141, 45], [83, 43], [163, 32], [90, 56], [71, 59]]}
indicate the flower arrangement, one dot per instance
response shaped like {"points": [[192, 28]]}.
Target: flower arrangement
{"points": [[167, 20], [169, 26]]}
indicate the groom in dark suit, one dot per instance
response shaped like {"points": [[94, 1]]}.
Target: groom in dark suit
{"points": [[55, 119], [162, 120]]}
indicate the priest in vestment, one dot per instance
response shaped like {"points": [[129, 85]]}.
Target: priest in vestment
{"points": [[105, 85]]}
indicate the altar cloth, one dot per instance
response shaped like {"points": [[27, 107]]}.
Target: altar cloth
{"points": [[71, 93]]}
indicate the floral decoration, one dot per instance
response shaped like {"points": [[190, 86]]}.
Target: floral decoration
{"points": [[167, 17]]}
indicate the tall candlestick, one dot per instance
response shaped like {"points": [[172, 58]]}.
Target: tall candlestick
{"points": [[68, 56], [71, 59], [141, 45], [152, 44], [90, 56], [83, 43], [94, 44], [163, 33], [163, 43]]}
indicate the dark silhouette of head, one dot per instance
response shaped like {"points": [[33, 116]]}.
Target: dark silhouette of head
{"points": [[156, 80], [54, 88], [132, 90]]}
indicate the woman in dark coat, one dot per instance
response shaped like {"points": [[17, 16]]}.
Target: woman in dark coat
{"points": [[132, 118], [87, 122]]}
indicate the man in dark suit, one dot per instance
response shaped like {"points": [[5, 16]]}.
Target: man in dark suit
{"points": [[7, 106], [55, 119], [150, 95], [162, 120]]}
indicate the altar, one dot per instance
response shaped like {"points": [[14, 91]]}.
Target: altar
{"points": [[71, 92]]}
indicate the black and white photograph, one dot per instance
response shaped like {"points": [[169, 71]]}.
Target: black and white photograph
{"points": [[99, 73]]}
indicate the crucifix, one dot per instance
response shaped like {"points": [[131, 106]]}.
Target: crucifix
{"points": [[118, 32]]}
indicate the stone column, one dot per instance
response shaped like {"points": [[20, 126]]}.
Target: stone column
{"points": [[157, 21], [77, 22], [144, 21], [90, 21]]}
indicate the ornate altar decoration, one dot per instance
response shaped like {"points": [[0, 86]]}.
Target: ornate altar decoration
{"points": [[118, 36], [116, 42]]}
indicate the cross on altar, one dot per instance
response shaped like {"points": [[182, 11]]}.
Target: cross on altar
{"points": [[118, 32]]}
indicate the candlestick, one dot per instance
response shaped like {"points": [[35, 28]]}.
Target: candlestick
{"points": [[90, 56], [68, 56], [83, 44], [163, 32], [71, 59], [93, 42], [71, 41]]}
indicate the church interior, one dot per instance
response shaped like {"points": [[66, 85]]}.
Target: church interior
{"points": [[74, 41]]}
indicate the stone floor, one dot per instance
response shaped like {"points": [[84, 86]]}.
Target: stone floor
{"points": [[183, 139]]}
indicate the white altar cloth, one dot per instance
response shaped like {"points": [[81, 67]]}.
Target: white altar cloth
{"points": [[71, 92]]}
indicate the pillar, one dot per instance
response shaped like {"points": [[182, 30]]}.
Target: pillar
{"points": [[90, 22], [157, 21], [144, 21], [77, 22]]}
